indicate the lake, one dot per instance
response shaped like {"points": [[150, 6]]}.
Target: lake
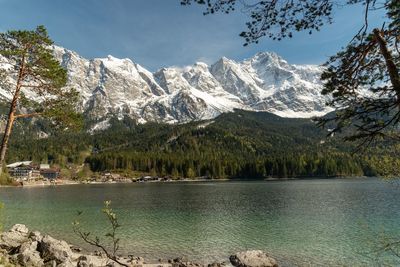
{"points": [[324, 222]]}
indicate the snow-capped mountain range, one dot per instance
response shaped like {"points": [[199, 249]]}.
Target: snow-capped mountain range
{"points": [[119, 87]]}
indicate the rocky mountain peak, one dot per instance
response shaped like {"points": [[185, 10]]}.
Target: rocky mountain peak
{"points": [[120, 87]]}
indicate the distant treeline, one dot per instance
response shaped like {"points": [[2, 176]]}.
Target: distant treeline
{"points": [[235, 145], [215, 166]]}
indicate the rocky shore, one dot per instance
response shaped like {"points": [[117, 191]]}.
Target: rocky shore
{"points": [[21, 247]]}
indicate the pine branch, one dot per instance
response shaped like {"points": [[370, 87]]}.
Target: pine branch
{"points": [[29, 115]]}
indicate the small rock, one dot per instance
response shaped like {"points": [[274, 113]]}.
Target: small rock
{"points": [[76, 249], [51, 263], [90, 261], [252, 258], [83, 264], [135, 261], [36, 236], [82, 261], [97, 253], [67, 263], [217, 264], [179, 262], [177, 259]]}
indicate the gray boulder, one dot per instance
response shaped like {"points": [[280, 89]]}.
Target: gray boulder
{"points": [[28, 254], [52, 249], [252, 258], [12, 239]]}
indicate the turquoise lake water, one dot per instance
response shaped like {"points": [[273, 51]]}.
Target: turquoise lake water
{"points": [[301, 222]]}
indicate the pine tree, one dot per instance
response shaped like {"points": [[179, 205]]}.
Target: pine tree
{"points": [[364, 81], [35, 71]]}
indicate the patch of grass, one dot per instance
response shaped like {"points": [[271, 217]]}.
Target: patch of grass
{"points": [[5, 179]]}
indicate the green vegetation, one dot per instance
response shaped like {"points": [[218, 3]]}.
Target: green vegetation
{"points": [[235, 145], [95, 241], [36, 71], [5, 178]]}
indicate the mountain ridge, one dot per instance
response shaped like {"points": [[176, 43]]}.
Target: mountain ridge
{"points": [[112, 87]]}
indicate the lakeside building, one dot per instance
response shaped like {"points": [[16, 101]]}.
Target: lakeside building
{"points": [[23, 171], [26, 171], [51, 174]]}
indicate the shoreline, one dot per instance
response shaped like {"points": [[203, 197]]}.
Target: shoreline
{"points": [[63, 182], [21, 247]]}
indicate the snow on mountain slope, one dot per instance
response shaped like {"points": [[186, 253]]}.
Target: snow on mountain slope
{"points": [[283, 89], [120, 87]]}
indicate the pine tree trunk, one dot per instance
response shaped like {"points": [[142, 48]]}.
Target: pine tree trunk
{"points": [[390, 65], [6, 138], [11, 115]]}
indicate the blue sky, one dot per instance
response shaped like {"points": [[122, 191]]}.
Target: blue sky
{"points": [[159, 33]]}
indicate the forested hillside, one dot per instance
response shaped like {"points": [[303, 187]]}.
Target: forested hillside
{"points": [[234, 145]]}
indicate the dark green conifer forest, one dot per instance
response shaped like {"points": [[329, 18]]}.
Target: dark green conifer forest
{"points": [[246, 145]]}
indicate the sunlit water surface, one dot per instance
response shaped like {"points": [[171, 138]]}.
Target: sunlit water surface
{"points": [[301, 222]]}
